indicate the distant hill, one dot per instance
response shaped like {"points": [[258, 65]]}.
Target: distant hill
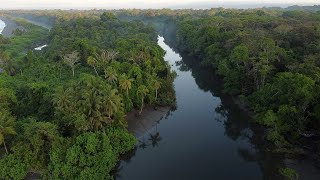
{"points": [[242, 5], [304, 8], [313, 8]]}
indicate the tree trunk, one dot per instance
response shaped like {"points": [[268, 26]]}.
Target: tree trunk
{"points": [[72, 72], [141, 105], [94, 67], [127, 92], [263, 77], [5, 147], [105, 73], [156, 93]]}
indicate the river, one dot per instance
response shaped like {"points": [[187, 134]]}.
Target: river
{"points": [[2, 26], [206, 137]]}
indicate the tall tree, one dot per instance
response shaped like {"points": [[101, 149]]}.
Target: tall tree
{"points": [[93, 62], [6, 127], [7, 64], [125, 83], [113, 103], [157, 86], [103, 60], [142, 92], [111, 75], [71, 60]]}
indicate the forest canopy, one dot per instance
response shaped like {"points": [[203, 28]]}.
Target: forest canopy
{"points": [[268, 59], [63, 110]]}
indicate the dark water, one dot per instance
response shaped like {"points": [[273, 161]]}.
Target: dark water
{"points": [[206, 137]]}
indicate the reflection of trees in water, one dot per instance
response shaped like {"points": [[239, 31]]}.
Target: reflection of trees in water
{"points": [[247, 155], [153, 140], [238, 124], [169, 113], [116, 172], [142, 144], [182, 66]]}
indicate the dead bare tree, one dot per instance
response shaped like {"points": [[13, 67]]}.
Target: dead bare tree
{"points": [[71, 60]]}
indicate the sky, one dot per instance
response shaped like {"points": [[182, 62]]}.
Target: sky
{"points": [[109, 4]]}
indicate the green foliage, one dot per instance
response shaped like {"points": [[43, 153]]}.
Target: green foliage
{"points": [[270, 58], [7, 98], [121, 140], [40, 137], [12, 167], [25, 39], [7, 122], [289, 173], [63, 110], [284, 102], [87, 104], [90, 155]]}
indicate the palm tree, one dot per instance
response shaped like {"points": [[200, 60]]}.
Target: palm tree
{"points": [[104, 56], [113, 103], [125, 83], [92, 104], [107, 55], [112, 54], [157, 86], [111, 75], [7, 64], [102, 60], [63, 98], [90, 101], [71, 60], [92, 62], [142, 92], [97, 120], [6, 127]]}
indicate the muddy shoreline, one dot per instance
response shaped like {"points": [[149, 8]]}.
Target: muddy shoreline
{"points": [[139, 124]]}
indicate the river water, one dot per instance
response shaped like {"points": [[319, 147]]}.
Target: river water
{"points": [[2, 25], [206, 137]]}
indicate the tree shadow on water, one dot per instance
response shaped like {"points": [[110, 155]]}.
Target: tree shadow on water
{"points": [[155, 139]]}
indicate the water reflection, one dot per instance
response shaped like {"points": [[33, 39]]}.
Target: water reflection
{"points": [[237, 123], [152, 140], [207, 137]]}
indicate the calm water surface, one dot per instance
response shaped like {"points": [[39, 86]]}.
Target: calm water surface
{"points": [[206, 137], [2, 25]]}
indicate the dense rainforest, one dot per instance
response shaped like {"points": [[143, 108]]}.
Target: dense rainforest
{"points": [[63, 110], [270, 61], [268, 58]]}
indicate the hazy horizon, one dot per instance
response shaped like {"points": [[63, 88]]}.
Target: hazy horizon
{"points": [[144, 4]]}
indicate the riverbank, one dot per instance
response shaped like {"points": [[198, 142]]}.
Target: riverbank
{"points": [[305, 165], [139, 124], [203, 129], [11, 25]]}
